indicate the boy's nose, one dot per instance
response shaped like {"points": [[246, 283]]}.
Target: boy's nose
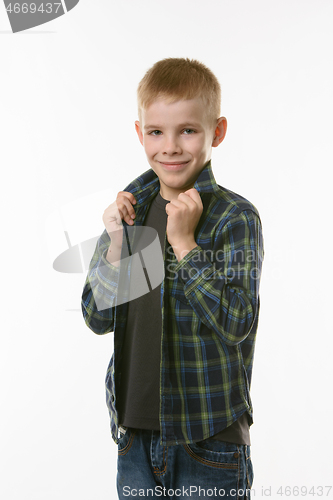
{"points": [[171, 146]]}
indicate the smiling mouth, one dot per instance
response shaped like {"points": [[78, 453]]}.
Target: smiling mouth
{"points": [[173, 165], [174, 162]]}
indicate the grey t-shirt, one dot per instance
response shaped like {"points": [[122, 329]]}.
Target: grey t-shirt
{"points": [[139, 398]]}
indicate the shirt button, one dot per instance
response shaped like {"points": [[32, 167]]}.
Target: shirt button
{"points": [[236, 455]]}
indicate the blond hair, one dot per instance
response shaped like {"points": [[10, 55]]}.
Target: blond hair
{"points": [[175, 79]]}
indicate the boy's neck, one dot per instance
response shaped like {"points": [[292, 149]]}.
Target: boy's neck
{"points": [[169, 194]]}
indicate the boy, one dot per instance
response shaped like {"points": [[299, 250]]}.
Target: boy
{"points": [[178, 381]]}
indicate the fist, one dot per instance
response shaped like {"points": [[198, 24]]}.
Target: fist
{"points": [[120, 209], [184, 213]]}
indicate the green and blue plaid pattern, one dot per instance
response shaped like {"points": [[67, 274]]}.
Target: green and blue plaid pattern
{"points": [[210, 306]]}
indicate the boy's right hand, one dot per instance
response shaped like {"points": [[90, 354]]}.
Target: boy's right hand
{"points": [[121, 208]]}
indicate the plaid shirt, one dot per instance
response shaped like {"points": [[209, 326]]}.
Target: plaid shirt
{"points": [[209, 313]]}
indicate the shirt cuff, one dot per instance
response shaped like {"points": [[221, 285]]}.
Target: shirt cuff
{"points": [[107, 274]]}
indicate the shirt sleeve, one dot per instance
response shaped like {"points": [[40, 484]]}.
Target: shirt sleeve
{"points": [[222, 285], [100, 290]]}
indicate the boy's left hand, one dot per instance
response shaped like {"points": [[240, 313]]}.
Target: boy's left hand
{"points": [[183, 216]]}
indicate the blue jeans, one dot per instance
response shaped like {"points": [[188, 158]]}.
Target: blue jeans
{"points": [[210, 468]]}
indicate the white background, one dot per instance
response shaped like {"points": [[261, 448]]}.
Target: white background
{"points": [[68, 144]]}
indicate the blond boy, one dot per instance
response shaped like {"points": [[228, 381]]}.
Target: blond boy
{"points": [[179, 379]]}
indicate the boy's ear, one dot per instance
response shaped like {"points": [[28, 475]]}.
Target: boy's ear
{"points": [[220, 131], [139, 131]]}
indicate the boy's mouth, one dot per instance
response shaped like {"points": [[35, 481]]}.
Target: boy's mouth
{"points": [[173, 165]]}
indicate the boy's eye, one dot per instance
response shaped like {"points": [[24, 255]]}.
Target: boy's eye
{"points": [[186, 131]]}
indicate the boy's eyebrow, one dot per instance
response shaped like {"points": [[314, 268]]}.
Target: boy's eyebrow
{"points": [[151, 126], [181, 125]]}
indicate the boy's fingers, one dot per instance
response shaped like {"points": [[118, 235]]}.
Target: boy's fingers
{"points": [[191, 201], [121, 209], [185, 198], [126, 209], [193, 194], [176, 203], [127, 195]]}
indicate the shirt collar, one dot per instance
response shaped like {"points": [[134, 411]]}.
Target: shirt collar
{"points": [[206, 182], [146, 186]]}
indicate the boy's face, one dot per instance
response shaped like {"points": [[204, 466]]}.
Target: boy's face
{"points": [[178, 139]]}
